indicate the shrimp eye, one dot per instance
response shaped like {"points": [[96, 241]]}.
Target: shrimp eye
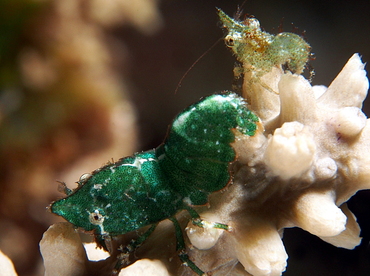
{"points": [[84, 178], [96, 218], [229, 41]]}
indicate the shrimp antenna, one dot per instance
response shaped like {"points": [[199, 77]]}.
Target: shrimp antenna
{"points": [[239, 11], [195, 62]]}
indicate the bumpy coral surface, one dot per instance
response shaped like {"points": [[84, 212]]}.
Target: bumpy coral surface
{"points": [[7, 267], [310, 158]]}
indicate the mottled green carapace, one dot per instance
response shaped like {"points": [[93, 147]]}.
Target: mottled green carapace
{"points": [[154, 185], [260, 51]]}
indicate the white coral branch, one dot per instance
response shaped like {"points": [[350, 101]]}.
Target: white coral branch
{"points": [[312, 157]]}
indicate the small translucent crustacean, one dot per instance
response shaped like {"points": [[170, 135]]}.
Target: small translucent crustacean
{"points": [[151, 186], [260, 51]]}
